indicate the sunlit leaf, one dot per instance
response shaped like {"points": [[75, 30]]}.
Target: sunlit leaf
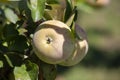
{"points": [[10, 15], [1, 64], [22, 31], [37, 9], [27, 71], [21, 73]]}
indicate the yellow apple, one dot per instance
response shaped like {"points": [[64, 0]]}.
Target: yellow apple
{"points": [[79, 53], [53, 41], [98, 2]]}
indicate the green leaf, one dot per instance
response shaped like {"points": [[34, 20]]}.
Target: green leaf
{"points": [[46, 71], [37, 9], [56, 12], [1, 64], [49, 71], [10, 15], [3, 48], [8, 60], [16, 59], [20, 73], [9, 32], [27, 71], [68, 11], [70, 20], [1, 31], [13, 59], [18, 44], [4, 61], [22, 31], [32, 70], [24, 10]]}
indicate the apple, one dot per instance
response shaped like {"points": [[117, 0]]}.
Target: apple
{"points": [[98, 2], [79, 53], [53, 41]]}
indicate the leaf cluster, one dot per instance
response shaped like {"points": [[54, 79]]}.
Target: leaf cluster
{"points": [[18, 21]]}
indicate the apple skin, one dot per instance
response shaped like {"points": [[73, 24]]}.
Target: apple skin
{"points": [[98, 2], [53, 41], [79, 53]]}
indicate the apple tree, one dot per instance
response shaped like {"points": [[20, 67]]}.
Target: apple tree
{"points": [[38, 35]]}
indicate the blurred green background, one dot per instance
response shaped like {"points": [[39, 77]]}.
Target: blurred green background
{"points": [[103, 59]]}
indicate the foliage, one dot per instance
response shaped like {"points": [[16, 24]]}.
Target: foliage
{"points": [[18, 21]]}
